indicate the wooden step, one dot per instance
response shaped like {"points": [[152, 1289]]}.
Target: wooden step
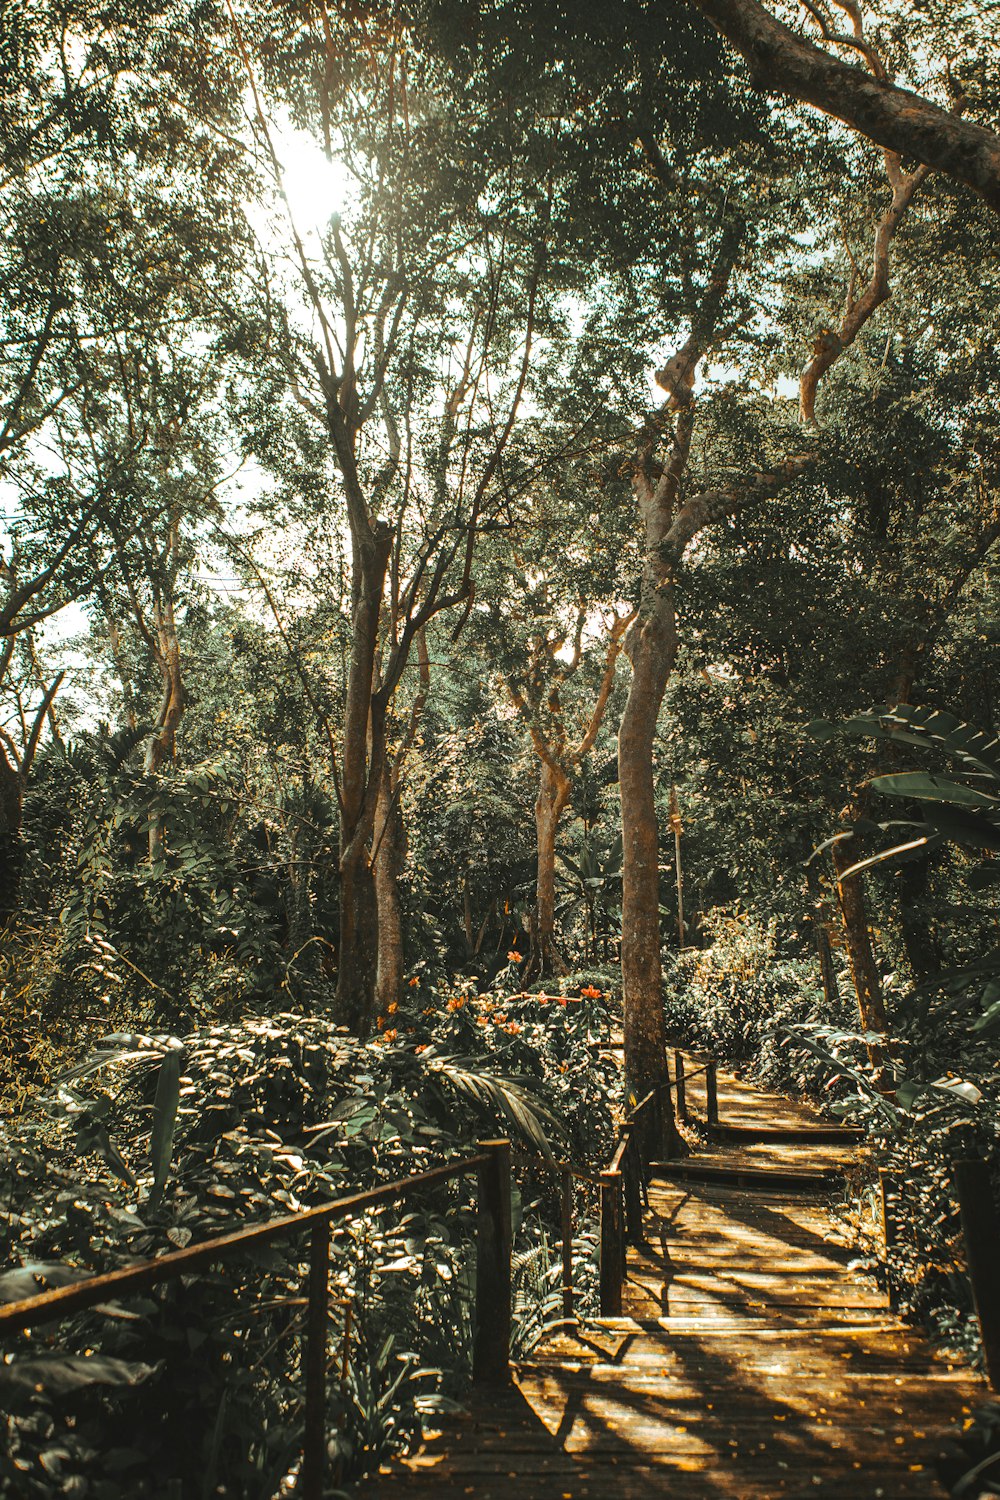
{"points": [[812, 1135], [741, 1175]]}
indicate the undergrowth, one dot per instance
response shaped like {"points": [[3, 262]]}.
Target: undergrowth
{"points": [[194, 1389]]}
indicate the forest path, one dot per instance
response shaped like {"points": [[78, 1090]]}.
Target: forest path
{"points": [[754, 1361]]}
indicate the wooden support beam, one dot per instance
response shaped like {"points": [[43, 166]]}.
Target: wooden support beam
{"points": [[712, 1093], [981, 1227], [566, 1213], [491, 1333], [314, 1437], [612, 1245]]}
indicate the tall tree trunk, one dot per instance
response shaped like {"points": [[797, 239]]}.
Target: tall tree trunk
{"points": [[11, 852], [389, 855], [828, 974], [651, 648], [389, 852], [362, 763], [553, 794], [857, 934], [162, 746]]}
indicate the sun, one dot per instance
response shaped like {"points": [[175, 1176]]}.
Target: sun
{"points": [[316, 186]]}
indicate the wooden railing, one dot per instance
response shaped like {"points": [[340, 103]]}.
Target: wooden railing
{"points": [[682, 1078], [648, 1133], [492, 1314]]}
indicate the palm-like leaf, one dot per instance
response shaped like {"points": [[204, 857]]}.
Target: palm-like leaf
{"points": [[530, 1116]]}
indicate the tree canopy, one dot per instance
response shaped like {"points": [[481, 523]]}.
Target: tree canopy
{"points": [[460, 464]]}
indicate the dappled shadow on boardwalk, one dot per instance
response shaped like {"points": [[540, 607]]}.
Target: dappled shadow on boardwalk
{"points": [[757, 1362], [644, 1416]]}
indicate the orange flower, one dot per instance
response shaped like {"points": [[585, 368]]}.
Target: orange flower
{"points": [[422, 1047], [560, 999], [428, 1012], [379, 1022], [543, 999], [482, 1020], [514, 956], [414, 981], [590, 993], [456, 1002], [392, 1007], [391, 1035], [513, 1028]]}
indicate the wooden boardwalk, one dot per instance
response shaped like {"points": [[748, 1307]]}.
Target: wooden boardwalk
{"points": [[754, 1361]]}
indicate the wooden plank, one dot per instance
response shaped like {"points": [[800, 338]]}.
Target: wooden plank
{"points": [[752, 1360]]}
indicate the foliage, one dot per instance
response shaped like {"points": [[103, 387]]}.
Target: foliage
{"points": [[269, 1116], [732, 997], [302, 490]]}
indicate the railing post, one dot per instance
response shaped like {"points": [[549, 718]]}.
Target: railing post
{"points": [[682, 1113], [886, 1186], [491, 1333], [314, 1438], [612, 1245], [711, 1093], [671, 1142], [632, 1182], [982, 1246], [566, 1211]]}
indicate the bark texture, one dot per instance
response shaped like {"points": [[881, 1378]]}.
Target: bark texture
{"points": [[857, 937], [785, 62], [362, 765], [553, 795], [651, 646], [11, 853], [389, 858]]}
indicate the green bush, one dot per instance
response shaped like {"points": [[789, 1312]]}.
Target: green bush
{"points": [[198, 1382]]}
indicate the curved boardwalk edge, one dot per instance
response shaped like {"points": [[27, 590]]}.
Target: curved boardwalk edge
{"points": [[755, 1361]]}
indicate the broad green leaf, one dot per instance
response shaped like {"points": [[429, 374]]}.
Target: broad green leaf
{"points": [[59, 1374], [35, 1277], [926, 788]]}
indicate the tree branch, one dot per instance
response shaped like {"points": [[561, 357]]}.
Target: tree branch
{"points": [[784, 62]]}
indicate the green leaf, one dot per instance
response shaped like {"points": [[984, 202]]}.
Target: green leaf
{"points": [[59, 1374], [900, 853], [35, 1277], [927, 788]]}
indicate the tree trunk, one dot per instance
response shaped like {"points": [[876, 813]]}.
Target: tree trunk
{"points": [[651, 649], [11, 852], [162, 746], [828, 973], [553, 795], [362, 761], [357, 971], [651, 646], [390, 852], [857, 934]]}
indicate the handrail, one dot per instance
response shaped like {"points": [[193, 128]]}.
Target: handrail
{"points": [[492, 1316], [62, 1301]]}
